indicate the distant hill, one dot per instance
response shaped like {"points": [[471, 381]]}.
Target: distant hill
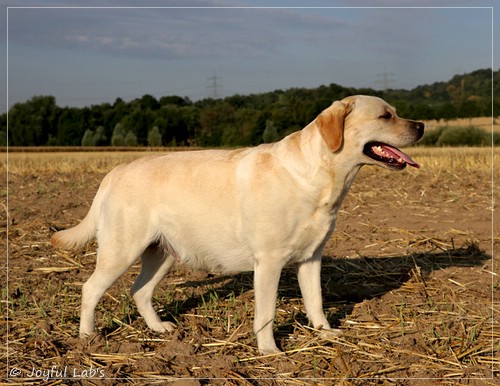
{"points": [[467, 95], [237, 120]]}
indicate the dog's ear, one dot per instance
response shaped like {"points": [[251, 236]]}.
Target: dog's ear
{"points": [[330, 123]]}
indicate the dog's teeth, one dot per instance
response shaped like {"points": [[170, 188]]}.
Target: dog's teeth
{"points": [[380, 151]]}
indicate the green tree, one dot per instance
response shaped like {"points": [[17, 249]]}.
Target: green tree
{"points": [[88, 138], [31, 123], [154, 137], [3, 130], [175, 100], [215, 121], [149, 102], [118, 137], [139, 121], [131, 139], [270, 133], [71, 126], [100, 137], [446, 111]]}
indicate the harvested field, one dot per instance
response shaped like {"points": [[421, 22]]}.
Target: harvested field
{"points": [[408, 275], [485, 123]]}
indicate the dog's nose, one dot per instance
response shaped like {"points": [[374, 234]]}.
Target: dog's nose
{"points": [[419, 127]]}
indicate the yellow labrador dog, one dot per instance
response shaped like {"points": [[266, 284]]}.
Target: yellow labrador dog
{"points": [[254, 209]]}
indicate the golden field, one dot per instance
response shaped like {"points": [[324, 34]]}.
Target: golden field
{"points": [[485, 123]]}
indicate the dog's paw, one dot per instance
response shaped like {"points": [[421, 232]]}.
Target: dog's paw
{"points": [[268, 347], [163, 327], [86, 335], [327, 333], [168, 326], [269, 350]]}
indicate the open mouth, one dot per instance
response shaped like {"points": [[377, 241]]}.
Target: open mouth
{"points": [[388, 155]]}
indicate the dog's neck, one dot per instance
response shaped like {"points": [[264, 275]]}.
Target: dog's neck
{"points": [[316, 166]]}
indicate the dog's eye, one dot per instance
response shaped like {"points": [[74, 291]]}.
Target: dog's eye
{"points": [[387, 115]]}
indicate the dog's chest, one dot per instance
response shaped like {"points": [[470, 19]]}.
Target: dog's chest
{"points": [[318, 226], [314, 233]]}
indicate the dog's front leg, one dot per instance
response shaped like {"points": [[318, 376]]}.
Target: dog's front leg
{"points": [[309, 275], [266, 279]]}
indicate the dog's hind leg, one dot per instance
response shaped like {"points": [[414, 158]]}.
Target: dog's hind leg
{"points": [[111, 263], [155, 265]]}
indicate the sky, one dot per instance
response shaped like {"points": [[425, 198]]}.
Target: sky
{"points": [[94, 51]]}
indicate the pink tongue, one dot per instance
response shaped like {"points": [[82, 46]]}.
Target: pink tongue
{"points": [[399, 154]]}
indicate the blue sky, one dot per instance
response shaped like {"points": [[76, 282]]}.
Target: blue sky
{"points": [[85, 56]]}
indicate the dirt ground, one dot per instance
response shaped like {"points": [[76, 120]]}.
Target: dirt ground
{"points": [[408, 276]]}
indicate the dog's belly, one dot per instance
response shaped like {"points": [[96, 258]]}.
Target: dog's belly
{"points": [[231, 247], [209, 242], [200, 250]]}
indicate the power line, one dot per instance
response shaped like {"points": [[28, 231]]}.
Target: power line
{"points": [[386, 80], [215, 86]]}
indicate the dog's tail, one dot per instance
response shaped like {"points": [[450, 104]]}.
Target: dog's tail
{"points": [[79, 235]]}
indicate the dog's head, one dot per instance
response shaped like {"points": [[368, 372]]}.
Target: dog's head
{"points": [[369, 130]]}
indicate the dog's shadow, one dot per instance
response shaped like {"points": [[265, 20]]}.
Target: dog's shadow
{"points": [[345, 281], [352, 280]]}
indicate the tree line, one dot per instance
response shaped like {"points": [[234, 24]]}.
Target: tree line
{"points": [[238, 120]]}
